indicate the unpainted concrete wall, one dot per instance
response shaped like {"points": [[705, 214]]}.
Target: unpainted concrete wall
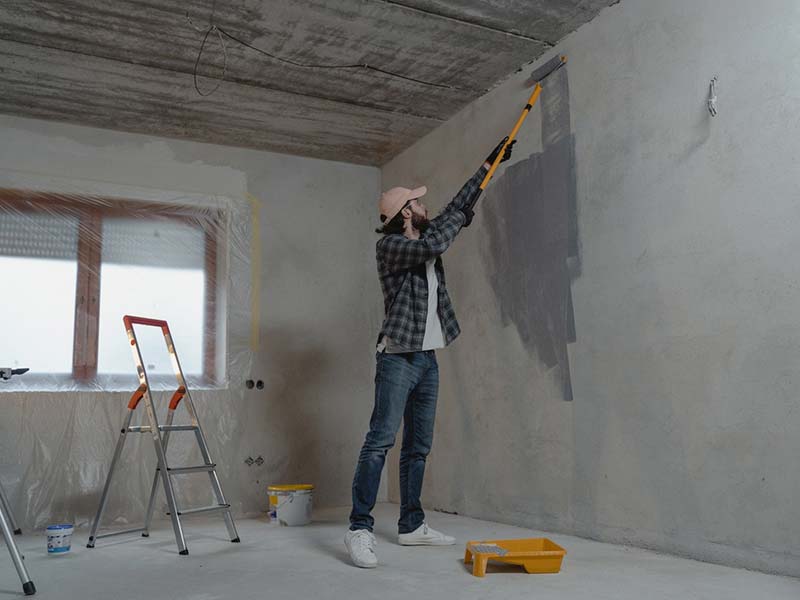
{"points": [[684, 429]]}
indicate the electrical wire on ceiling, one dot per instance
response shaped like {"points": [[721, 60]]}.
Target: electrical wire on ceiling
{"points": [[209, 31], [221, 33]]}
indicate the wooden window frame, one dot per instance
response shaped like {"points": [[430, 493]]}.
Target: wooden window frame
{"points": [[91, 211]]}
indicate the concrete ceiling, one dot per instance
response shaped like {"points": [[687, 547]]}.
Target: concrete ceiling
{"points": [[128, 65]]}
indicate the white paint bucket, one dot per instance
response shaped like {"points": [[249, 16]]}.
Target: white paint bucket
{"points": [[290, 505], [59, 538]]}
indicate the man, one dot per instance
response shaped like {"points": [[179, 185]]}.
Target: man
{"points": [[419, 320]]}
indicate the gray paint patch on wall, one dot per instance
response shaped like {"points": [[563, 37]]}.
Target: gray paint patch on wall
{"points": [[533, 256]]}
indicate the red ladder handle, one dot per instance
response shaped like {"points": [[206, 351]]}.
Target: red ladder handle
{"points": [[131, 320], [137, 396], [176, 397]]}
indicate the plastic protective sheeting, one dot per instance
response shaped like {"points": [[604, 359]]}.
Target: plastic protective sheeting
{"points": [[72, 266]]}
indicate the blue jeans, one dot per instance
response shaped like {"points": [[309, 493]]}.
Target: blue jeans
{"points": [[406, 387]]}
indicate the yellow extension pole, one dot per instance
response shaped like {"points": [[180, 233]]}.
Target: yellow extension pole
{"points": [[543, 71], [531, 101]]}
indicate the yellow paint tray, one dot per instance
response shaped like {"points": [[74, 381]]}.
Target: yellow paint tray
{"points": [[535, 555]]}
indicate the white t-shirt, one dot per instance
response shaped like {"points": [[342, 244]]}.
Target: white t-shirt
{"points": [[433, 326]]}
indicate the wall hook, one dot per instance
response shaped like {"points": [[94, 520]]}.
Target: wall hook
{"points": [[712, 97]]}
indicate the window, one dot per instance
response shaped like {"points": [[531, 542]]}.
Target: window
{"points": [[72, 268], [38, 269], [142, 253]]}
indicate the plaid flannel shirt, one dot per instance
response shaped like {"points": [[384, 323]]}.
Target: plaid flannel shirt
{"points": [[401, 269]]}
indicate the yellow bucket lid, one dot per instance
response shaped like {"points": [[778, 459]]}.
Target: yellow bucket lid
{"points": [[290, 488]]}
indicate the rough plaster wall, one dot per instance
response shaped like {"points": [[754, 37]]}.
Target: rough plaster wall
{"points": [[684, 430], [315, 326]]}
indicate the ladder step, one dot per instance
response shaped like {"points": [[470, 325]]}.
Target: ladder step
{"points": [[178, 427], [139, 429], [205, 509], [148, 429], [122, 532], [197, 469]]}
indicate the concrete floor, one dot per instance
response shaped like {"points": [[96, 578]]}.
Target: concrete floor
{"points": [[311, 562]]}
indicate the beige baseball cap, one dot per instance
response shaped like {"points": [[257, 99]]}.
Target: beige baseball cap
{"points": [[393, 200]]}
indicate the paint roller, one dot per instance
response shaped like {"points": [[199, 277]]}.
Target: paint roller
{"points": [[547, 69]]}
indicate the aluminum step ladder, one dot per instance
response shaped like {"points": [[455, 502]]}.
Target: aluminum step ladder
{"points": [[7, 522], [161, 434], [10, 529]]}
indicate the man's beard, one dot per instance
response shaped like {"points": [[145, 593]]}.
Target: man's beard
{"points": [[420, 222]]}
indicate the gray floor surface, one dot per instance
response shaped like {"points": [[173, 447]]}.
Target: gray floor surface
{"points": [[311, 562]]}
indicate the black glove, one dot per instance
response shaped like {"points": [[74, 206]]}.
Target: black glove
{"points": [[506, 155], [468, 207]]}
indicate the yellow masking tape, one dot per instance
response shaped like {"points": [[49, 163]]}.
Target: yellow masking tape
{"points": [[255, 271]]}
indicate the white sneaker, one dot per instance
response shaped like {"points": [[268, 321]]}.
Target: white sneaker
{"points": [[425, 536], [361, 546]]}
